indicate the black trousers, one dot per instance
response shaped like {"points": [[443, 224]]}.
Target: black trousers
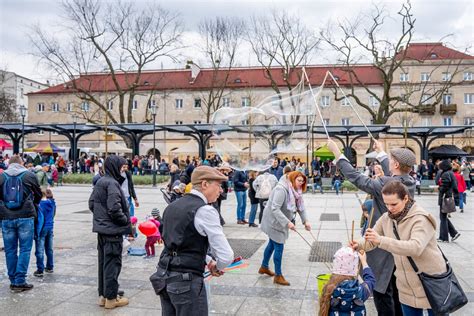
{"points": [[184, 298], [446, 227], [262, 203], [388, 303], [109, 249]]}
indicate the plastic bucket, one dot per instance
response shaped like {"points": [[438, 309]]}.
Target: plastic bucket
{"points": [[322, 280]]}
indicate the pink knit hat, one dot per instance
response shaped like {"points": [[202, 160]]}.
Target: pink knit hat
{"points": [[346, 262]]}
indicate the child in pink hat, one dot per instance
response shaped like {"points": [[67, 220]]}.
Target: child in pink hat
{"points": [[343, 294]]}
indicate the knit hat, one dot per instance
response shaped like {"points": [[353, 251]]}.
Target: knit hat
{"points": [[404, 156], [155, 212], [203, 173], [346, 262]]}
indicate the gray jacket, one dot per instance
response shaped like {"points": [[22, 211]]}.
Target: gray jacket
{"points": [[276, 214], [379, 260]]}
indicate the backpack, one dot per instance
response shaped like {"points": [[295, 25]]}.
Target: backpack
{"points": [[265, 188], [13, 191], [346, 299]]}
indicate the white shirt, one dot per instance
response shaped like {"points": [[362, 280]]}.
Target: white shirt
{"points": [[207, 223]]}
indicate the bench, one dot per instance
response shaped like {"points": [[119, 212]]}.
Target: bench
{"points": [[428, 186], [326, 183]]}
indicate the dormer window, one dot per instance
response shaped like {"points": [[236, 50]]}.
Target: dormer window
{"points": [[434, 55]]}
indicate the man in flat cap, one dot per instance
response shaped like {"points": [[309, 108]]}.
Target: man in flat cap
{"points": [[190, 227], [396, 168]]}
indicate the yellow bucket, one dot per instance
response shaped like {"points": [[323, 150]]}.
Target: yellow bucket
{"points": [[322, 280]]}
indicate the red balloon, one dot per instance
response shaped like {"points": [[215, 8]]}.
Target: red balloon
{"points": [[147, 228]]}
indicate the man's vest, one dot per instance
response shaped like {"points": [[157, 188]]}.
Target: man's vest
{"points": [[185, 249]]}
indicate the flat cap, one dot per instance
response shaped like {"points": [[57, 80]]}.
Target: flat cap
{"points": [[203, 173], [404, 156]]}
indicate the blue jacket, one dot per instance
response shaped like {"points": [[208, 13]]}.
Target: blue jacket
{"points": [[277, 172], [46, 213], [239, 180]]}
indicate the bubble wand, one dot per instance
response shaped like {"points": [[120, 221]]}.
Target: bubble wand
{"points": [[315, 99]]}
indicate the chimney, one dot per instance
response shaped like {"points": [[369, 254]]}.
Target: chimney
{"points": [[195, 69]]}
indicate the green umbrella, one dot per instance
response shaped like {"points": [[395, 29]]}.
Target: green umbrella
{"points": [[324, 152]]}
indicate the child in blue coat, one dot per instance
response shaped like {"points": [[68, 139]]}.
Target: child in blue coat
{"points": [[44, 234], [343, 294]]}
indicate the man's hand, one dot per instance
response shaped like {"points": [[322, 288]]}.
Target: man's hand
{"points": [[212, 266], [246, 184], [291, 226], [332, 146], [136, 202], [307, 226], [372, 236], [378, 146]]}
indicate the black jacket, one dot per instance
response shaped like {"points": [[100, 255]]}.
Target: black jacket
{"points": [[253, 199], [33, 194], [131, 187], [107, 201], [448, 186]]}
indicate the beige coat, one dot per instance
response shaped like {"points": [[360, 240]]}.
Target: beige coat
{"points": [[418, 240]]}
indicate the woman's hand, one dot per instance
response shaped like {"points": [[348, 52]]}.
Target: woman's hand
{"points": [[291, 226], [307, 226], [372, 236], [354, 245]]}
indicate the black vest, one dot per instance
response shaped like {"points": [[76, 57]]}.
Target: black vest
{"points": [[185, 249]]}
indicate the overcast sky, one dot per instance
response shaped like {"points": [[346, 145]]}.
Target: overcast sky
{"points": [[434, 20]]}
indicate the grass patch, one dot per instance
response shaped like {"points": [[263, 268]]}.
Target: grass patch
{"points": [[86, 178]]}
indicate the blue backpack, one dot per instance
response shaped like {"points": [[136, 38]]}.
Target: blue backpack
{"points": [[346, 299], [13, 191]]}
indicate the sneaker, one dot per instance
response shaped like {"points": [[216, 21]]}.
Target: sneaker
{"points": [[146, 257], [253, 225], [456, 237], [118, 302], [21, 287], [462, 210], [441, 240], [38, 274], [48, 270]]}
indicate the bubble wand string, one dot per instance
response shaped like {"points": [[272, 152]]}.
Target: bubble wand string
{"points": [[315, 100]]}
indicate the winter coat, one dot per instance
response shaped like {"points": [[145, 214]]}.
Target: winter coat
{"points": [[276, 215], [379, 260], [253, 199], [42, 179], [461, 182], [46, 214], [32, 195], [239, 180], [277, 172], [418, 240], [107, 202], [448, 186]]}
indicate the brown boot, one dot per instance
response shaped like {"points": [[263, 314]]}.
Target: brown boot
{"points": [[118, 302], [279, 279], [266, 271], [101, 301]]}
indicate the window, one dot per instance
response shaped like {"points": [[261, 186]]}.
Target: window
{"points": [[469, 121], [22, 92], [245, 102], [197, 103], [426, 99], [55, 133], [245, 122], [85, 106], [69, 107], [55, 107], [404, 77], [197, 122], [345, 121], [110, 106], [448, 121], [426, 121], [178, 122], [468, 98], [276, 101], [134, 105], [40, 132], [467, 76], [226, 122], [40, 107], [179, 103], [345, 102], [225, 102], [446, 76], [447, 98], [326, 122], [151, 103], [324, 101], [373, 101], [425, 76]]}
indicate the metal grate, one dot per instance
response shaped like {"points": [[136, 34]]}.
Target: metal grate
{"points": [[323, 251], [329, 217], [245, 247], [83, 212]]}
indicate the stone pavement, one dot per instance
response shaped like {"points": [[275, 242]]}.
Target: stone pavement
{"points": [[71, 289]]}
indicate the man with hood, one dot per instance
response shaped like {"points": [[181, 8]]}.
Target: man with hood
{"points": [[18, 222], [111, 220], [397, 168]]}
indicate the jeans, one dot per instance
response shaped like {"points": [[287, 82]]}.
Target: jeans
{"points": [[241, 204], [316, 186], [131, 206], [446, 227], [44, 243], [277, 250], [412, 311], [18, 233], [461, 200], [109, 249], [337, 185], [253, 213]]}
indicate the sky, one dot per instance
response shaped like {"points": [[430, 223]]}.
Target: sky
{"points": [[450, 21]]}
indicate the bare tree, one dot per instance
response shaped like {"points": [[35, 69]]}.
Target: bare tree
{"points": [[115, 39], [363, 37], [221, 38], [7, 99]]}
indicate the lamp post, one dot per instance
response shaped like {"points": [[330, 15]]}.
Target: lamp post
{"points": [[23, 114], [153, 113], [74, 145]]}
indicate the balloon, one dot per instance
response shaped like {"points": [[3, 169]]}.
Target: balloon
{"points": [[133, 220], [147, 228]]}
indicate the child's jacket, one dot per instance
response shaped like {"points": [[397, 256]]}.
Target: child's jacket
{"points": [[46, 213]]}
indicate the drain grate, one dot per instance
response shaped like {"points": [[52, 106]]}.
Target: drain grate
{"points": [[245, 247], [323, 251], [83, 212], [329, 217]]}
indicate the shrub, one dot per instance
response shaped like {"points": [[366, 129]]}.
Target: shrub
{"points": [[349, 186], [86, 178]]}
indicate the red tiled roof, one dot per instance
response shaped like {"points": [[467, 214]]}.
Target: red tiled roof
{"points": [[238, 78], [432, 51]]}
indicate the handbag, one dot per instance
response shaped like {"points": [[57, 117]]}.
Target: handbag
{"points": [[443, 291], [448, 205]]}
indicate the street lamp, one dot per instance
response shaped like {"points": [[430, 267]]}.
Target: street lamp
{"points": [[22, 114], [74, 150], [153, 113]]}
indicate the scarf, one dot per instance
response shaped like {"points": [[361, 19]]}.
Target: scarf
{"points": [[399, 216], [295, 198]]}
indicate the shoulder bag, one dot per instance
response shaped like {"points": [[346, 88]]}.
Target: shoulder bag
{"points": [[442, 290]]}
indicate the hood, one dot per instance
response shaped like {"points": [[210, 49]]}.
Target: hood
{"points": [[15, 169], [445, 165], [112, 167], [417, 210]]}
